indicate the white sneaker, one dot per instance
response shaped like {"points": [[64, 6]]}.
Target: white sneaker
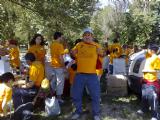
{"points": [[75, 116], [96, 117], [153, 118]]}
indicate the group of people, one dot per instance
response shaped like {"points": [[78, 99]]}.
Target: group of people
{"points": [[83, 68], [84, 54]]}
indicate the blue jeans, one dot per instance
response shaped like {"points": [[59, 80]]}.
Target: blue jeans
{"points": [[150, 99], [110, 69], [90, 81]]}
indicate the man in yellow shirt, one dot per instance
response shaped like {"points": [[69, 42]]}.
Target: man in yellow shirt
{"points": [[57, 65], [86, 53], [151, 85]]}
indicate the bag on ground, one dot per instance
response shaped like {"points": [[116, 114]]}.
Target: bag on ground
{"points": [[52, 106]]}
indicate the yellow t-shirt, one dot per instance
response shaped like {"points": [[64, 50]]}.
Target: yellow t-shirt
{"points": [[5, 93], [116, 47], [56, 50], [39, 52], [14, 57], [152, 64], [36, 73], [86, 57]]}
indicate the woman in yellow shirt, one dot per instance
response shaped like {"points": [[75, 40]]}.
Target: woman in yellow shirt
{"points": [[5, 91], [37, 47]]}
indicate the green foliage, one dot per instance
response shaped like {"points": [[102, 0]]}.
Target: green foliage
{"points": [[139, 24], [22, 19]]}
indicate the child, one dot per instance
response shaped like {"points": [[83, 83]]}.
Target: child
{"points": [[5, 91], [151, 86]]}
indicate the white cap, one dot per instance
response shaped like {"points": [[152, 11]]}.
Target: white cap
{"points": [[88, 30]]}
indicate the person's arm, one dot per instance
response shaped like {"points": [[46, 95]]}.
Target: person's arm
{"points": [[7, 98], [61, 53], [74, 51], [3, 52], [24, 84], [29, 84], [62, 60], [4, 107]]}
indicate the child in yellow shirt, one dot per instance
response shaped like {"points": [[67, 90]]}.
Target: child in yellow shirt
{"points": [[5, 91]]}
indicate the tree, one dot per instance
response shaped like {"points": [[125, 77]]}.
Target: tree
{"points": [[136, 23], [24, 18]]}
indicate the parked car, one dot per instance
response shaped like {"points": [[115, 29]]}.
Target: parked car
{"points": [[135, 74]]}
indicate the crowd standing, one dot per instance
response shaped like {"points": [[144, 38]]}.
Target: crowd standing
{"points": [[84, 64]]}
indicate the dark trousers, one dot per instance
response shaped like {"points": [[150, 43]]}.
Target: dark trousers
{"points": [[22, 101], [150, 99]]}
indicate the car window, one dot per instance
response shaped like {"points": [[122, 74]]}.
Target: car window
{"points": [[137, 64]]}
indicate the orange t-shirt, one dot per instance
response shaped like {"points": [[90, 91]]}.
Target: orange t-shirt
{"points": [[36, 73], [39, 52], [14, 57], [56, 50]]}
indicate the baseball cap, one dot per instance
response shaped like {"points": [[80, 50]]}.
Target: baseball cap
{"points": [[87, 30]]}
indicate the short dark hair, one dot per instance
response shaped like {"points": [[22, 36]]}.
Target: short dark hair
{"points": [[30, 56], [153, 47], [7, 77], [33, 40], [57, 35], [77, 41]]}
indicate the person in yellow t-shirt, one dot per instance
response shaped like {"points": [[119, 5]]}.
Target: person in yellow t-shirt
{"points": [[36, 70], [86, 53], [151, 85], [14, 55], [37, 47], [25, 91], [5, 91], [115, 52], [99, 70], [57, 65]]}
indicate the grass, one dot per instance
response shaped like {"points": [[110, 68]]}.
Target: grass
{"points": [[112, 108]]}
